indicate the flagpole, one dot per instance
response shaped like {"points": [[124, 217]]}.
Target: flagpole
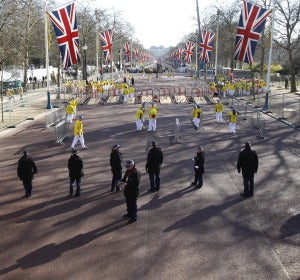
{"points": [[199, 36], [97, 43], [217, 42], [196, 59], [49, 106], [268, 91]]}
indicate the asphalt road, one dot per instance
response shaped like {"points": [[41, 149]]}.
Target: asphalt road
{"points": [[181, 233]]}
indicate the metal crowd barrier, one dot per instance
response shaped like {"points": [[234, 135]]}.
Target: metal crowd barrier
{"points": [[61, 131], [177, 136], [248, 111], [55, 116]]}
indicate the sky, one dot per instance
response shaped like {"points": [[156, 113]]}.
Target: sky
{"points": [[158, 22]]}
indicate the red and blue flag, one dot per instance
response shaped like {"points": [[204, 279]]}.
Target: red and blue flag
{"points": [[189, 46], [106, 42], [251, 23], [206, 45], [65, 26], [126, 47]]}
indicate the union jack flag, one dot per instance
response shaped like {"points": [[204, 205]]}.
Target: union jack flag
{"points": [[179, 54], [136, 53], [106, 42], [252, 21], [126, 47], [65, 26], [206, 45], [189, 46]]}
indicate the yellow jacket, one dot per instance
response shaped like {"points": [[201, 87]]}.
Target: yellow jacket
{"points": [[152, 113], [73, 102], [233, 117], [78, 129], [139, 114], [196, 112], [70, 109], [219, 107]]}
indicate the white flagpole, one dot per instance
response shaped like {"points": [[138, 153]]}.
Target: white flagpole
{"points": [[266, 106], [199, 36], [217, 44], [97, 44], [49, 106], [196, 50]]}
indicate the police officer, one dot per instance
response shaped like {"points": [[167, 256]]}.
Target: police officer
{"points": [[116, 167], [248, 163], [130, 182], [153, 165], [26, 169], [199, 161], [75, 166]]}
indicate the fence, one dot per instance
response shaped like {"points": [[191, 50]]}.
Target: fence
{"points": [[20, 107], [177, 136], [55, 116], [61, 131]]}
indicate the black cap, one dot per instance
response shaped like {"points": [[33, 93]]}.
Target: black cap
{"points": [[153, 143], [129, 163], [247, 145], [116, 147], [25, 153]]}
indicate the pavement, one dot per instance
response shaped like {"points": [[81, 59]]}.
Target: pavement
{"points": [[181, 233]]}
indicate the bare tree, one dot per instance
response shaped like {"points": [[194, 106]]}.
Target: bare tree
{"points": [[286, 32]]}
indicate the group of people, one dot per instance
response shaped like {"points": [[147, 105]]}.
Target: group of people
{"points": [[130, 181], [152, 116], [219, 108], [131, 178], [196, 116]]}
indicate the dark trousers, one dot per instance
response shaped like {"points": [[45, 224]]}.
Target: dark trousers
{"points": [[198, 181], [154, 178], [248, 184], [28, 187], [131, 203], [78, 182], [117, 176]]}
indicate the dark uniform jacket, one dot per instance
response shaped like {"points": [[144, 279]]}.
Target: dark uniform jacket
{"points": [[26, 168], [154, 160], [116, 161], [132, 177], [75, 166], [199, 161], [248, 162]]}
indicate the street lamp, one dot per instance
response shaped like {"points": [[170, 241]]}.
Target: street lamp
{"points": [[84, 63]]}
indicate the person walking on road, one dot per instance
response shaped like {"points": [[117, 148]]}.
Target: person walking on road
{"points": [[130, 182], [26, 170], [116, 167], [248, 163], [78, 133], [139, 115], [219, 111], [199, 161], [153, 166], [232, 120], [75, 167], [152, 118], [70, 113], [196, 113]]}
